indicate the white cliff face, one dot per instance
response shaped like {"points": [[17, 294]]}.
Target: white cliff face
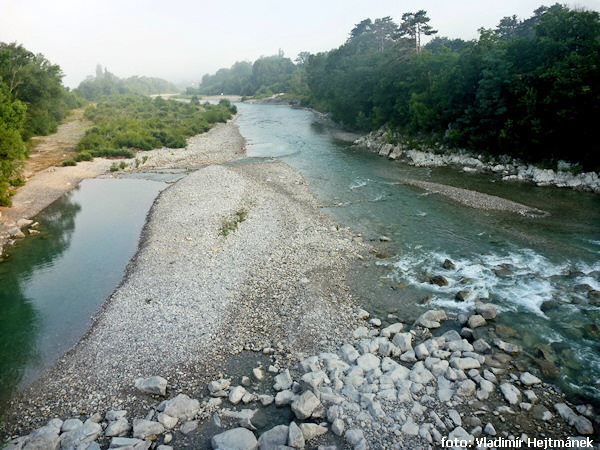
{"points": [[377, 142]]}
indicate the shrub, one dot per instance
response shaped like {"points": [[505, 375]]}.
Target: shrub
{"points": [[68, 162]]}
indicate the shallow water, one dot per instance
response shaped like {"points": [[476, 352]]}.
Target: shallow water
{"points": [[556, 257], [53, 283]]}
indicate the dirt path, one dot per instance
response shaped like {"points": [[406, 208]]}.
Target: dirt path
{"points": [[52, 150]]}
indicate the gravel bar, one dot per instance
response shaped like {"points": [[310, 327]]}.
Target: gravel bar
{"points": [[193, 297]]}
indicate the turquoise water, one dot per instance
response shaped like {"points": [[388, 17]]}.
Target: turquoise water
{"points": [[54, 282], [550, 258]]}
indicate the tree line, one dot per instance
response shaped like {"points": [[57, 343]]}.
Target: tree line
{"points": [[33, 101], [528, 88], [105, 84]]}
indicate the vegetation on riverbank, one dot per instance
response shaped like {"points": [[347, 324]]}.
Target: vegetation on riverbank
{"points": [[33, 102], [528, 88], [127, 123]]}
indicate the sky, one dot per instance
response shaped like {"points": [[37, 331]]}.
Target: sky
{"points": [[180, 40]]}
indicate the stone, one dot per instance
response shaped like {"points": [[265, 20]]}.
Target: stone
{"points": [[528, 379], [182, 407], [24, 222], [438, 280], [236, 395], [274, 437], [121, 442], [511, 393], [349, 353], [410, 427], [70, 425], [486, 310], [431, 319], [167, 421], [258, 374], [16, 233], [265, 399], [295, 436], [448, 265], [115, 415], [581, 424], [368, 362], [464, 363], [147, 429], [283, 381], [403, 341], [481, 346], [548, 369], [312, 430], [84, 434], [283, 398], [304, 406], [461, 434], [421, 351], [466, 388], [153, 385], [506, 346], [44, 438], [118, 428], [361, 333], [219, 385], [188, 427], [392, 330], [235, 439], [476, 321], [337, 427], [455, 417]]}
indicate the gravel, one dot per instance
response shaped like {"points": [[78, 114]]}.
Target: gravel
{"points": [[193, 297]]}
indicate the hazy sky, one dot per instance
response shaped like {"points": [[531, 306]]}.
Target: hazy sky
{"points": [[180, 40]]}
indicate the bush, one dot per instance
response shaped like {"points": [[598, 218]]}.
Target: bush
{"points": [[68, 162], [83, 156]]}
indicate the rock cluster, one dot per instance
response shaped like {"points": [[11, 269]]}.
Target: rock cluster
{"points": [[11, 231], [510, 169], [393, 386]]}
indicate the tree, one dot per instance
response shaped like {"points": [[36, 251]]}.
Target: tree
{"points": [[416, 24]]}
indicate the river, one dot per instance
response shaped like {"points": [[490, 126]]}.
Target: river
{"points": [[536, 270], [54, 282]]}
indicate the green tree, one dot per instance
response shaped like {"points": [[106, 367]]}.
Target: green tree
{"points": [[415, 25]]}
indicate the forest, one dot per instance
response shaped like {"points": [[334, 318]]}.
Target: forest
{"points": [[528, 88]]}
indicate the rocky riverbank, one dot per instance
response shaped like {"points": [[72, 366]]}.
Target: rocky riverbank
{"points": [[510, 169], [388, 386]]}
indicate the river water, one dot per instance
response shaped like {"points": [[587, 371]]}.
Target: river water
{"points": [[54, 282], [514, 262]]}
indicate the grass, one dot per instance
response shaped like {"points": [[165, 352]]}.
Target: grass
{"points": [[231, 224]]}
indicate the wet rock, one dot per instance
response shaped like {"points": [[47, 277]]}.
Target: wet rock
{"points": [[464, 295], [486, 310], [448, 265], [153, 385], [438, 280], [235, 439], [504, 332], [548, 369], [274, 437], [431, 319], [503, 272], [16, 233], [506, 346], [549, 305], [481, 346], [476, 321]]}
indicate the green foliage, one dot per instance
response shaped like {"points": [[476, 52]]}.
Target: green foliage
{"points": [[83, 156], [231, 224], [68, 162], [106, 84], [530, 88], [266, 76], [12, 149], [129, 122], [37, 83]]}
